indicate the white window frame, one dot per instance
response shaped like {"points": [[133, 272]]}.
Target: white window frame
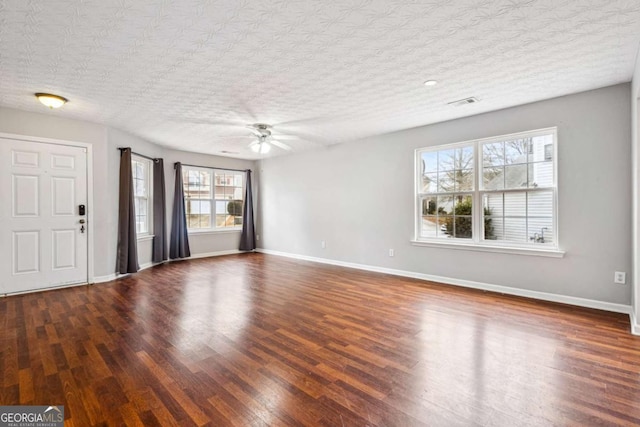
{"points": [[477, 242], [214, 229], [149, 199]]}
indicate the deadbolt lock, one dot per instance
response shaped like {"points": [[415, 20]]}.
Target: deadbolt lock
{"points": [[81, 221]]}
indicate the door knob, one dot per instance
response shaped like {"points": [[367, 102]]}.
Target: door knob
{"points": [[82, 229]]}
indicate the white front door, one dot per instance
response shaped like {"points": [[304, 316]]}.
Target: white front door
{"points": [[43, 237]]}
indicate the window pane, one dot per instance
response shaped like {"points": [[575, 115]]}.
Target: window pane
{"points": [[493, 204], [463, 205], [538, 148], [540, 204], [429, 183], [515, 176], [229, 192], [515, 230], [221, 207], [463, 158], [493, 178], [494, 228], [445, 205], [464, 180], [515, 204], [463, 227], [237, 180], [446, 160], [541, 174], [142, 207], [541, 231], [237, 193], [489, 225], [430, 162], [429, 226], [445, 226], [446, 182], [493, 154], [516, 151], [221, 220], [429, 206]]}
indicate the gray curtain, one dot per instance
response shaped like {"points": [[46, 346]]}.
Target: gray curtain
{"points": [[160, 246], [248, 237], [127, 258], [179, 238]]}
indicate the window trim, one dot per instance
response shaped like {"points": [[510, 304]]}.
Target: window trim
{"points": [[477, 242], [213, 229], [149, 234]]}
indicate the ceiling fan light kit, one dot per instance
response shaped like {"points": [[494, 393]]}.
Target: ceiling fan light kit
{"points": [[262, 147]]}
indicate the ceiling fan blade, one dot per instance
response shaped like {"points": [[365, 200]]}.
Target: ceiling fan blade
{"points": [[234, 123], [231, 136], [254, 143], [280, 145], [288, 137]]}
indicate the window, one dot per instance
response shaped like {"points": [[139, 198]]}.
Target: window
{"points": [[494, 192], [141, 171], [213, 198]]}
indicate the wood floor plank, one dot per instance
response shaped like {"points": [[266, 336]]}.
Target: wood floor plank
{"points": [[259, 340]]}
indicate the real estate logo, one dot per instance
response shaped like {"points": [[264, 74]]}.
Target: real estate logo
{"points": [[31, 416]]}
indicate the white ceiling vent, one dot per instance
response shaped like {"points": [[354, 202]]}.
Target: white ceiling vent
{"points": [[465, 101]]}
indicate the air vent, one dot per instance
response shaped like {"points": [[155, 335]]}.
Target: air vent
{"points": [[465, 101]]}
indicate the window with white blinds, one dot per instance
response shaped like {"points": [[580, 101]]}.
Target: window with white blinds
{"points": [[498, 191]]}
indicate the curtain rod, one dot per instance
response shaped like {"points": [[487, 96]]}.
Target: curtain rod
{"points": [[138, 154], [211, 167]]}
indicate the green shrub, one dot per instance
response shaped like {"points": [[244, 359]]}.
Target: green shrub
{"points": [[234, 207], [464, 223]]}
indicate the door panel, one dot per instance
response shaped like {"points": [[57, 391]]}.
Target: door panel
{"points": [[41, 238], [26, 195], [26, 252]]}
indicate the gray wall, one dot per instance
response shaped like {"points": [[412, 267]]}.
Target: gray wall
{"points": [[359, 198], [106, 165], [635, 129]]}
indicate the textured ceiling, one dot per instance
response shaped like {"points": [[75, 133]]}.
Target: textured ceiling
{"points": [[168, 70]]}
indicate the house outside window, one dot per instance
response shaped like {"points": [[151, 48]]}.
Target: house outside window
{"points": [[213, 199], [141, 172], [498, 191]]}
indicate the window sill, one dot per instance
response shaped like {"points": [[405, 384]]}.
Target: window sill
{"points": [[552, 253], [203, 232], [145, 237]]}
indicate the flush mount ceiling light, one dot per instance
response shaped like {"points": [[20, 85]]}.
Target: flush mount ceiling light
{"points": [[51, 101], [430, 83]]}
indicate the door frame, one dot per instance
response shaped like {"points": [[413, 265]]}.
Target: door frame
{"points": [[89, 151]]}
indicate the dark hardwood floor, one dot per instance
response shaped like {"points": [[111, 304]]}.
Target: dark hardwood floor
{"points": [[253, 340]]}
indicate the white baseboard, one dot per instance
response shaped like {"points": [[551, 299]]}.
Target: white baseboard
{"points": [[544, 296], [114, 276], [218, 253], [635, 327]]}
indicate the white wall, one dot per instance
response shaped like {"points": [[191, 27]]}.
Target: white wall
{"points": [[105, 142], [358, 197]]}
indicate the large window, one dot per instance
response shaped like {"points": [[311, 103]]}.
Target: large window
{"points": [[213, 198], [495, 192], [141, 171]]}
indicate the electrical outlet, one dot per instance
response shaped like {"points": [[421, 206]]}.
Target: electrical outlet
{"points": [[323, 244], [620, 277], [257, 237], [391, 252]]}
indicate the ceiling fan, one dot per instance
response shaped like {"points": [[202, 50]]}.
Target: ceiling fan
{"points": [[265, 140]]}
